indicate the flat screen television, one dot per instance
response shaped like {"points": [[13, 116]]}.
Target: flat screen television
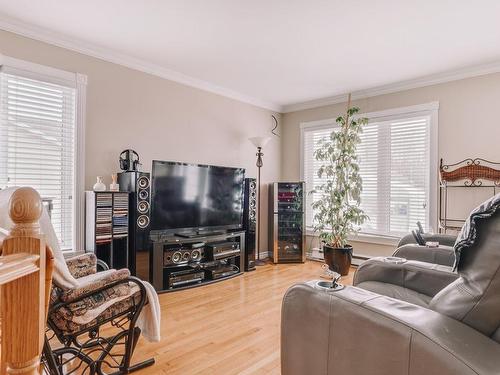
{"points": [[194, 198]]}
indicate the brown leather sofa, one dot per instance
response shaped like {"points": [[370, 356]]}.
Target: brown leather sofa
{"points": [[355, 331]]}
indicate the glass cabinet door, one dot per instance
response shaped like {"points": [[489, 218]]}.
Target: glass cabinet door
{"points": [[290, 236], [290, 197]]}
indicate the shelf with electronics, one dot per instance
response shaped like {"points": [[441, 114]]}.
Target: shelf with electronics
{"points": [[187, 224], [180, 262]]}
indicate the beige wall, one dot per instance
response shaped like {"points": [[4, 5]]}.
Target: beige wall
{"points": [[160, 119], [468, 125], [165, 120]]}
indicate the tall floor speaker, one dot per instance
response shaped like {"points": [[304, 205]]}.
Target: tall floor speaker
{"points": [[139, 184], [250, 222]]}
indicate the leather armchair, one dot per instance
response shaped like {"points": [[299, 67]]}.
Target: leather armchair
{"points": [[443, 239], [356, 331], [444, 254], [412, 281]]}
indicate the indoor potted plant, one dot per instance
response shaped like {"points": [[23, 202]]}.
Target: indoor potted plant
{"points": [[338, 212]]}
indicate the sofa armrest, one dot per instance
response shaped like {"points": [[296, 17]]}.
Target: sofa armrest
{"points": [[443, 255], [94, 283], [82, 265], [443, 239], [354, 331], [425, 278]]}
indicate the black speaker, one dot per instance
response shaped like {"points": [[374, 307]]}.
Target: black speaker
{"points": [[250, 222], [139, 184]]}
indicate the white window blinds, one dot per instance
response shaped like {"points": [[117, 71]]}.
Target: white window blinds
{"points": [[37, 130], [394, 164]]}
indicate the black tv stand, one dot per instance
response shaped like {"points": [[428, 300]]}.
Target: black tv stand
{"points": [[197, 234], [164, 245]]}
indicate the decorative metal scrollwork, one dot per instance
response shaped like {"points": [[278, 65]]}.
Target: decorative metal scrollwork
{"points": [[471, 171]]}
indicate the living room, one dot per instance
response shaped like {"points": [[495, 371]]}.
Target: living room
{"points": [[304, 187]]}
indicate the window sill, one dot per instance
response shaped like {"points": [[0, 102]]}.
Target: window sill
{"points": [[373, 238], [367, 238]]}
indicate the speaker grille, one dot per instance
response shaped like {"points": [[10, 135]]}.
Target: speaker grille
{"points": [[143, 221], [143, 182], [143, 194], [195, 255], [177, 257], [250, 222], [143, 207]]}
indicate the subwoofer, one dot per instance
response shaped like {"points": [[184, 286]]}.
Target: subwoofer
{"points": [[139, 185], [250, 222]]}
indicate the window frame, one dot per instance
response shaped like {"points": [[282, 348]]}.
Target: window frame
{"points": [[79, 82], [428, 109]]}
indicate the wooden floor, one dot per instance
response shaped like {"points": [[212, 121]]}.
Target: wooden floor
{"points": [[231, 327]]}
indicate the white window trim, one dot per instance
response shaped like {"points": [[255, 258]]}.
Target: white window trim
{"points": [[430, 109], [79, 82]]}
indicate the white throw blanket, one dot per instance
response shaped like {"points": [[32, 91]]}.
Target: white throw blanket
{"points": [[150, 318]]}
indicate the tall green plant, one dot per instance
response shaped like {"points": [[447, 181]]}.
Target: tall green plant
{"points": [[337, 212]]}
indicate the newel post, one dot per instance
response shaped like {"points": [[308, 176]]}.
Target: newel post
{"points": [[23, 301]]}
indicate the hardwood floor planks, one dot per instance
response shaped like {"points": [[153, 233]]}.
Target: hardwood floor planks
{"points": [[231, 327]]}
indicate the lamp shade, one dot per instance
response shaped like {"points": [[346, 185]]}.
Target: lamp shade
{"points": [[259, 141]]}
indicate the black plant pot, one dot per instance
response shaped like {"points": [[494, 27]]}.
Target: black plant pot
{"points": [[338, 259]]}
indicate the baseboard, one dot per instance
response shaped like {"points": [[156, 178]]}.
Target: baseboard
{"points": [[265, 255], [318, 257]]}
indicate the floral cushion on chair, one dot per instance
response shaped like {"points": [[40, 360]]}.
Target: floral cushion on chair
{"points": [[85, 313], [82, 265], [82, 312]]}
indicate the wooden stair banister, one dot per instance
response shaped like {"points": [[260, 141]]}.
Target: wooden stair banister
{"points": [[25, 278]]}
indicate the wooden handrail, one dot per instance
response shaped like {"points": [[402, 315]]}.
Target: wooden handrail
{"points": [[13, 267], [25, 279]]}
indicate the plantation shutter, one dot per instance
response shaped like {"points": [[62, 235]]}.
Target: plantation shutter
{"points": [[310, 167], [37, 131], [394, 164]]}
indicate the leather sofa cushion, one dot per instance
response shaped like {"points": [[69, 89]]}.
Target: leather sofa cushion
{"points": [[396, 291]]}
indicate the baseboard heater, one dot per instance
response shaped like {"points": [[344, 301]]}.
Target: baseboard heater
{"points": [[356, 259]]}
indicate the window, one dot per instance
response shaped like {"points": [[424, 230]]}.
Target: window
{"points": [[396, 158], [38, 123]]}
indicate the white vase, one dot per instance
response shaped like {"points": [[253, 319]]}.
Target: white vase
{"points": [[99, 185]]}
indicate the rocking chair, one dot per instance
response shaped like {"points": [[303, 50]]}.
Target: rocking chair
{"points": [[92, 316], [118, 298]]}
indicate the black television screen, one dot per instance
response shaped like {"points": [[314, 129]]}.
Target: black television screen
{"points": [[190, 197]]}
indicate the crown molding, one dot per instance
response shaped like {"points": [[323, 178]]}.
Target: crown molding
{"points": [[44, 35], [429, 80]]}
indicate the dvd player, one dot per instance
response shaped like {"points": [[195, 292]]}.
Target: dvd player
{"points": [[180, 278], [222, 271], [222, 250]]}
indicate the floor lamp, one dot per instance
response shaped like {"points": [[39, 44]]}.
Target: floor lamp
{"points": [[259, 142]]}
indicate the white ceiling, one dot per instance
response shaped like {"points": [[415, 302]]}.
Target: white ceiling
{"points": [[272, 53]]}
